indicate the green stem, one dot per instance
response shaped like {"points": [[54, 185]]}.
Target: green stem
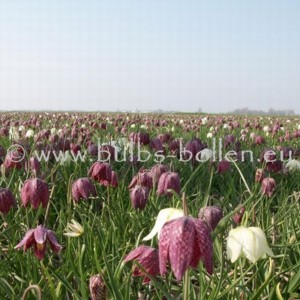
{"points": [[48, 280], [186, 275], [209, 187], [48, 207]]}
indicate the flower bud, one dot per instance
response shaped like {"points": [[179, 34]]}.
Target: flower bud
{"points": [[259, 175], [237, 217], [114, 179]]}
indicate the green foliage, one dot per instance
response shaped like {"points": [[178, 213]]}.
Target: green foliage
{"points": [[112, 228]]}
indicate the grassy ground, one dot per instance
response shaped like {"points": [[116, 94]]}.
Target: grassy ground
{"points": [[112, 228]]}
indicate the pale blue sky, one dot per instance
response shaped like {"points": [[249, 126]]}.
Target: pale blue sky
{"points": [[168, 54]]}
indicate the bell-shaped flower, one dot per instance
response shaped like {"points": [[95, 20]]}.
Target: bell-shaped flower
{"points": [[101, 172], [143, 178], [248, 242], [274, 166], [29, 133], [37, 239], [157, 170], [223, 166], [168, 181], [83, 188], [7, 200], [183, 242], [139, 196], [268, 186], [14, 158], [211, 215], [36, 192], [293, 165], [33, 165], [164, 216]]}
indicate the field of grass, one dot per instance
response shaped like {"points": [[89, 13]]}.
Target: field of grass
{"points": [[111, 225]]}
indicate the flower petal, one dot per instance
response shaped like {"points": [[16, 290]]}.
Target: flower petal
{"points": [[164, 243], [27, 240], [163, 216], [234, 245], [182, 243], [55, 246], [262, 244], [40, 234], [39, 251], [205, 245]]}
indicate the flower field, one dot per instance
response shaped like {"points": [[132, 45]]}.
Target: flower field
{"points": [[149, 206]]}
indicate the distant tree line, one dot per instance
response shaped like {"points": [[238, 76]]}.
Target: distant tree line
{"points": [[271, 111]]}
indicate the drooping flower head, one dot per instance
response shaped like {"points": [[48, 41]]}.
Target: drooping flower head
{"points": [[229, 140], [157, 171], [33, 165], [83, 188], [101, 172], [268, 186], [7, 200], [223, 166], [211, 215], [248, 242], [141, 138], [107, 152], [156, 145], [139, 196], [38, 238], [143, 178], [183, 242], [274, 166], [36, 192], [168, 181], [192, 150], [14, 159], [148, 258], [259, 175]]}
